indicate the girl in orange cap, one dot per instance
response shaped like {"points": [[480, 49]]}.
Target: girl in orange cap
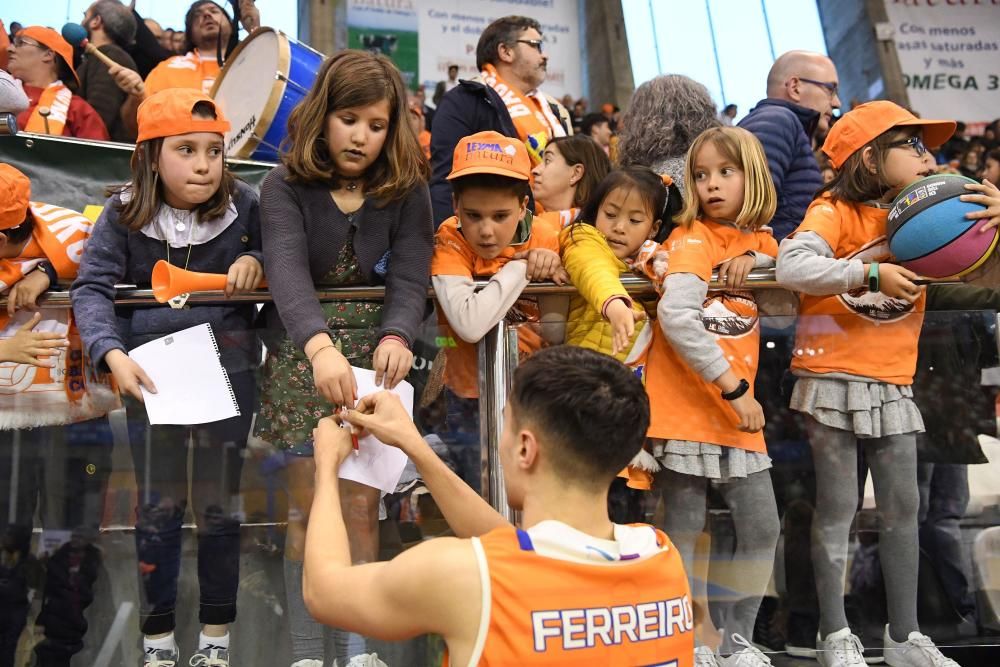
{"points": [[348, 206], [855, 355], [184, 207]]}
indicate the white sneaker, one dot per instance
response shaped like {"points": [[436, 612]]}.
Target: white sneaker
{"points": [[210, 657], [917, 651], [840, 649], [366, 660], [749, 656], [705, 657], [308, 662]]}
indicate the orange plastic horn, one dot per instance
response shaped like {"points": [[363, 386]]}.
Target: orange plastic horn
{"points": [[170, 281]]}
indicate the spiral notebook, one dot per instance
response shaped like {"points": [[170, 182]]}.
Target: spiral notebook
{"points": [[192, 387]]}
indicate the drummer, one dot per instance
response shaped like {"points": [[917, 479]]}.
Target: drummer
{"points": [[207, 28]]}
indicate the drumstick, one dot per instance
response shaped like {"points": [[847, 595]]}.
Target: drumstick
{"points": [[44, 112], [76, 35]]}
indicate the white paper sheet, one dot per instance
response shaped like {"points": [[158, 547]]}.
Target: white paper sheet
{"points": [[192, 387], [377, 464]]}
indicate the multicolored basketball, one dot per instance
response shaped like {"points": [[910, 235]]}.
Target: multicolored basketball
{"points": [[929, 233]]}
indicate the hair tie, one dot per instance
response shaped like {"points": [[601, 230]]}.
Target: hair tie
{"points": [[668, 182]]}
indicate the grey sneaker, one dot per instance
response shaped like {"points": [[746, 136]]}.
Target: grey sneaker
{"points": [[366, 660], [748, 656], [160, 658], [917, 651], [210, 657], [705, 657], [840, 649]]}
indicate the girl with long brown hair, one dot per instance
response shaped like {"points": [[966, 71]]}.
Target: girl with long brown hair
{"points": [[348, 206], [181, 206]]}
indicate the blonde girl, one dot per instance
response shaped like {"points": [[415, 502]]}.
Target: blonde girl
{"points": [[706, 424]]}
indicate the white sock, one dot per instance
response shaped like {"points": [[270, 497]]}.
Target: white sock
{"points": [[205, 642], [163, 643]]}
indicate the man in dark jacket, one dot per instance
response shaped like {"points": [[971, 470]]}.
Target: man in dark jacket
{"points": [[111, 28], [512, 48], [801, 97]]}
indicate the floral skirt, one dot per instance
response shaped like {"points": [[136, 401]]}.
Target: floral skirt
{"points": [[290, 405]]}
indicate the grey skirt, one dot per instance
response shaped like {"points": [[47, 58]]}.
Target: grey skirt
{"points": [[714, 462], [867, 409]]}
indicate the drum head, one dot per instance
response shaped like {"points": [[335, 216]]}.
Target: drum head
{"points": [[245, 87]]}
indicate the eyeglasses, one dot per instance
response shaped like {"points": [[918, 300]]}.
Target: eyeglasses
{"points": [[831, 88], [18, 42], [536, 44], [916, 143]]}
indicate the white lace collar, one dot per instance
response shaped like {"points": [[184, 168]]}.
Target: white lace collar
{"points": [[180, 228]]}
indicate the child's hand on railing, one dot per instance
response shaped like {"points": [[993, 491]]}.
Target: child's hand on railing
{"points": [[542, 263]]}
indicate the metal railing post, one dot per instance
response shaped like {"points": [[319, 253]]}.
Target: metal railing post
{"points": [[497, 361]]}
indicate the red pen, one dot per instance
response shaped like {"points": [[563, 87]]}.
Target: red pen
{"points": [[354, 436]]}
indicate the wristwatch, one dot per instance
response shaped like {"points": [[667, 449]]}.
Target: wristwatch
{"points": [[742, 388], [873, 277]]}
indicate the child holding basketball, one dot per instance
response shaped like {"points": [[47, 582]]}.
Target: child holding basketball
{"points": [[349, 205], [184, 207], [704, 358], [856, 352]]}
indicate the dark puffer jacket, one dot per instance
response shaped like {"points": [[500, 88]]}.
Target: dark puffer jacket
{"points": [[785, 129]]}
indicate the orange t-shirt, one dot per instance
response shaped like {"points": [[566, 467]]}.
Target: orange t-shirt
{"points": [[549, 611], [187, 71], [453, 256], [858, 332], [683, 405]]}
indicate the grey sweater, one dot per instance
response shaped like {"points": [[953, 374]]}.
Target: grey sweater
{"points": [[115, 255], [303, 232]]}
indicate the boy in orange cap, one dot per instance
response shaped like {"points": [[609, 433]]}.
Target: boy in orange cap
{"points": [[43, 61], [49, 398], [492, 236]]}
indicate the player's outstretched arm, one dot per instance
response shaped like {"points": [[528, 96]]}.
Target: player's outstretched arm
{"points": [[466, 512], [433, 587]]}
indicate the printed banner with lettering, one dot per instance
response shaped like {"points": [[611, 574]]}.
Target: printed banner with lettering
{"points": [[950, 56], [423, 38]]}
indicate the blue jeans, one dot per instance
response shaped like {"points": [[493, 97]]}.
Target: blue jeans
{"points": [[159, 454]]}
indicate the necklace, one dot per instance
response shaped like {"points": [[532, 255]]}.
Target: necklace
{"points": [[180, 300], [351, 186]]}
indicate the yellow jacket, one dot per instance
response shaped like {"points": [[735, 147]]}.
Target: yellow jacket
{"points": [[595, 272]]}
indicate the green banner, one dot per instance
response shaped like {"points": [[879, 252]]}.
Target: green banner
{"points": [[74, 173]]}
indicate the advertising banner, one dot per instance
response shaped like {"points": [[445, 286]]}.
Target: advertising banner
{"points": [[950, 55]]}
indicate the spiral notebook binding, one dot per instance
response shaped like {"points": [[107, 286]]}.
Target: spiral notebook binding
{"points": [[225, 373]]}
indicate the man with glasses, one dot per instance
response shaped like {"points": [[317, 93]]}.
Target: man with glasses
{"points": [[798, 110], [43, 61], [504, 98]]}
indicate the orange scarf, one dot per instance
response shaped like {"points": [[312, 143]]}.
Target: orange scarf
{"points": [[56, 98], [532, 116], [71, 391]]}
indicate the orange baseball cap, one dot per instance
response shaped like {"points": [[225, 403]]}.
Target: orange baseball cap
{"points": [[866, 121], [15, 192], [490, 153], [169, 113], [51, 39], [607, 108]]}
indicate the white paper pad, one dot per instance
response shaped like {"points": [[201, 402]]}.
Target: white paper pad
{"points": [[377, 464], [192, 387]]}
